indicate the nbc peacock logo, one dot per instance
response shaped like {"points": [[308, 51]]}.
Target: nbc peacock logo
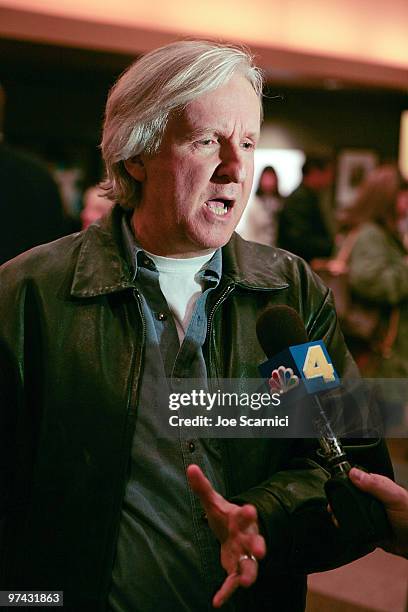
{"points": [[283, 380]]}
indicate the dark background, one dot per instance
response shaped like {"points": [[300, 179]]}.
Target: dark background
{"points": [[56, 96]]}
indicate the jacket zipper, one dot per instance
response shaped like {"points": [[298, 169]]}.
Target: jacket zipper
{"points": [[140, 308], [221, 299]]}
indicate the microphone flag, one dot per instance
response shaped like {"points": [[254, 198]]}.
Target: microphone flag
{"points": [[309, 361]]}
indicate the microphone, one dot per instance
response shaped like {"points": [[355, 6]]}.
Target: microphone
{"points": [[283, 337]]}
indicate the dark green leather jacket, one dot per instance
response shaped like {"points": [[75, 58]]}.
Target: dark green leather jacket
{"points": [[71, 351]]}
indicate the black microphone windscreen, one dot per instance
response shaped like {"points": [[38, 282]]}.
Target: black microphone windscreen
{"points": [[279, 327]]}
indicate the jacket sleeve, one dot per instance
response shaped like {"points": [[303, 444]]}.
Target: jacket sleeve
{"points": [[293, 516], [291, 504]]}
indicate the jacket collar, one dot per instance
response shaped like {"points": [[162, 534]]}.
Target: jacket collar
{"points": [[252, 265], [102, 265]]}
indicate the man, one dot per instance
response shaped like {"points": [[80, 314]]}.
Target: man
{"points": [[30, 203], [95, 324], [305, 224]]}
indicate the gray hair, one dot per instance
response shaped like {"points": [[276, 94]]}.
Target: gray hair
{"points": [[159, 83]]}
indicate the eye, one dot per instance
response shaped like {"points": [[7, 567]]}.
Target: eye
{"points": [[207, 142], [248, 145]]}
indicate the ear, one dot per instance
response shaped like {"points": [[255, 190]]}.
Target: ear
{"points": [[136, 168]]}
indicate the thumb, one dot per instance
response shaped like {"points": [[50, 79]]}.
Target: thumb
{"points": [[381, 487]]}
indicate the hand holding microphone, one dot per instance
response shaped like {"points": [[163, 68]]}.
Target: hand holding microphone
{"points": [[282, 335], [395, 500]]}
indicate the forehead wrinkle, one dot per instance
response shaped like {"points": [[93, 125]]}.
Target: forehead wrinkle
{"points": [[224, 120], [222, 130], [214, 116]]}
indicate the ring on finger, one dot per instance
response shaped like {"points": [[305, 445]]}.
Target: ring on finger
{"points": [[249, 557]]}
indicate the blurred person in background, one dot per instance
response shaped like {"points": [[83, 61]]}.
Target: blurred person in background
{"points": [[305, 227], [259, 221], [95, 205], [378, 270], [402, 214], [30, 203]]}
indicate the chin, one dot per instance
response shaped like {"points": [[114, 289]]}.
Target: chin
{"points": [[214, 242]]}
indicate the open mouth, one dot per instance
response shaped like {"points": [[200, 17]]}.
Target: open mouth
{"points": [[219, 206]]}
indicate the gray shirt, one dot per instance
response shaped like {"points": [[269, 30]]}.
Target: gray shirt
{"points": [[167, 558]]}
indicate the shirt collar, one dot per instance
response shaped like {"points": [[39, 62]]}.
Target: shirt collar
{"points": [[211, 271], [102, 266]]}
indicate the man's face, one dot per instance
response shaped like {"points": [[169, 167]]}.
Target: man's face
{"points": [[195, 188]]}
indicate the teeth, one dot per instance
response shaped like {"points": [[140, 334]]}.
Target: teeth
{"points": [[217, 208], [219, 211]]}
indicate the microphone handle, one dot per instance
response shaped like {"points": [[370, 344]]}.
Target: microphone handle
{"points": [[360, 516]]}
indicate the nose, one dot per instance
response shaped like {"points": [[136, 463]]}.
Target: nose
{"points": [[233, 165]]}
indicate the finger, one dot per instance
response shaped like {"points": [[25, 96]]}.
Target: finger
{"points": [[251, 544], [387, 491], [246, 517], [229, 586], [202, 487], [248, 572], [248, 543], [244, 520], [244, 527], [255, 545]]}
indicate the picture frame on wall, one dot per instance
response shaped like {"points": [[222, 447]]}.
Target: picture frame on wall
{"points": [[353, 166]]}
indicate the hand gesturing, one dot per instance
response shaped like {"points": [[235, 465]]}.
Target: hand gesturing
{"points": [[236, 528]]}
